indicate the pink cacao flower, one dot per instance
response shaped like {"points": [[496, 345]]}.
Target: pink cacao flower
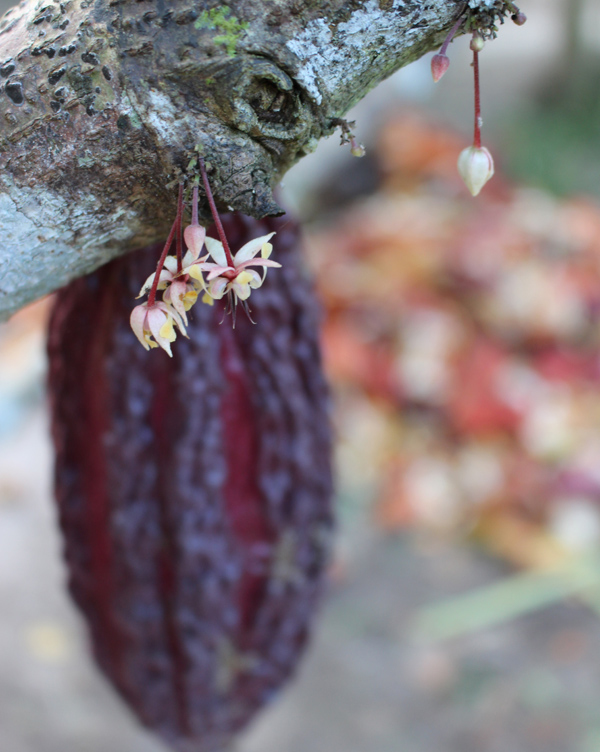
{"points": [[238, 279], [158, 321]]}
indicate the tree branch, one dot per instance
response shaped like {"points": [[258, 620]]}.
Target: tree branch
{"points": [[105, 100]]}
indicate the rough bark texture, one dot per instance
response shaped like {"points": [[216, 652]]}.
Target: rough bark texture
{"points": [[104, 100], [194, 492]]}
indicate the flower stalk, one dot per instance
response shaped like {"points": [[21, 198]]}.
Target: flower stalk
{"points": [[179, 231], [477, 86], [168, 244], [475, 163], [214, 212], [441, 62]]}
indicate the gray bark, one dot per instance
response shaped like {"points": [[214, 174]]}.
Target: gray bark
{"points": [[103, 102]]}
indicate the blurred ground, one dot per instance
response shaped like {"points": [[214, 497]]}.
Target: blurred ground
{"points": [[372, 681]]}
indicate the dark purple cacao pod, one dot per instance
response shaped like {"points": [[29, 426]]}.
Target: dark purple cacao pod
{"points": [[194, 493]]}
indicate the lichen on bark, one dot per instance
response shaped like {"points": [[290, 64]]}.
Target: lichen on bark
{"points": [[103, 101]]}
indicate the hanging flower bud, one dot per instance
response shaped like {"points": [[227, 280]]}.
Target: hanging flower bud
{"points": [[477, 42], [439, 65], [441, 62], [194, 234], [519, 18], [356, 148], [194, 238], [476, 167]]}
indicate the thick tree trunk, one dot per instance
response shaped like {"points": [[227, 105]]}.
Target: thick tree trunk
{"points": [[104, 102]]}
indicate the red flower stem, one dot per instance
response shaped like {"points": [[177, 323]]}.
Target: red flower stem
{"points": [[161, 260], [450, 36], [179, 239], [215, 213], [195, 205], [477, 134]]}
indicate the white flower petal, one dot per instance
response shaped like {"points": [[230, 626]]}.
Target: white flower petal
{"points": [[259, 262], [243, 282], [155, 319], [256, 279], [195, 272], [217, 272], [137, 321], [171, 264], [174, 296], [216, 250], [217, 288], [170, 312], [163, 281], [187, 260], [209, 266], [241, 290], [250, 249]]}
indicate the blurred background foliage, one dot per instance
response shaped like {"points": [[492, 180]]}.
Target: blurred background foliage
{"points": [[558, 143]]}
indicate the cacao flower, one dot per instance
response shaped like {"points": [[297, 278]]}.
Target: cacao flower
{"points": [[239, 279], [193, 492], [158, 321]]}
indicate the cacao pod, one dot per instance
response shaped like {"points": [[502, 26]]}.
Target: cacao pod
{"points": [[194, 492]]}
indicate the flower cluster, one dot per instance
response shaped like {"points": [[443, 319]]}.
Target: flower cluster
{"points": [[181, 277], [475, 163]]}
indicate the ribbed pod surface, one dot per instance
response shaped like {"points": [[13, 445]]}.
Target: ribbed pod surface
{"points": [[194, 493]]}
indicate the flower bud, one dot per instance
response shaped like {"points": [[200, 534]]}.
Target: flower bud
{"points": [[356, 149], [519, 18], [476, 167], [194, 238], [477, 42], [439, 65]]}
